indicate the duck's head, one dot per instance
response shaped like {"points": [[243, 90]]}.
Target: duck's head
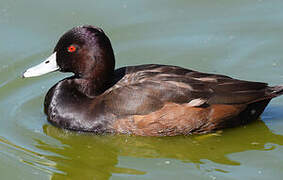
{"points": [[84, 50]]}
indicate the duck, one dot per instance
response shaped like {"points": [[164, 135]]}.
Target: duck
{"points": [[142, 100]]}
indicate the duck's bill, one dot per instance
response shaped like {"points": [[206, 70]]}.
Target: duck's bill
{"points": [[49, 65]]}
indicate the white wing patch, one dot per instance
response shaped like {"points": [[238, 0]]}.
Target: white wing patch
{"points": [[196, 102], [207, 79]]}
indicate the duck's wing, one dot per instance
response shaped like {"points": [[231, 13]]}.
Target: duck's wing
{"points": [[146, 88]]}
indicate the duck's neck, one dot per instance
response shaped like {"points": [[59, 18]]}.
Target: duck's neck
{"points": [[93, 86]]}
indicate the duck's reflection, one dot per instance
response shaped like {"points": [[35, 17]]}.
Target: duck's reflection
{"points": [[87, 156]]}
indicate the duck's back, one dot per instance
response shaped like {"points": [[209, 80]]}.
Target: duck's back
{"points": [[170, 100]]}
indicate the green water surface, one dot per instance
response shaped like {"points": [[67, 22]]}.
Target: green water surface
{"points": [[242, 38]]}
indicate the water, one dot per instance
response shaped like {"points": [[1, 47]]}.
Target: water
{"points": [[243, 39]]}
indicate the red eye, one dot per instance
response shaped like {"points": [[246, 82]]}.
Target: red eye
{"points": [[72, 48]]}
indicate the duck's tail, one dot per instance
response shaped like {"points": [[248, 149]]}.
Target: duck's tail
{"points": [[276, 91]]}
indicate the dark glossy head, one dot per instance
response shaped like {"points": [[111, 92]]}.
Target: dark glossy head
{"points": [[86, 51]]}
